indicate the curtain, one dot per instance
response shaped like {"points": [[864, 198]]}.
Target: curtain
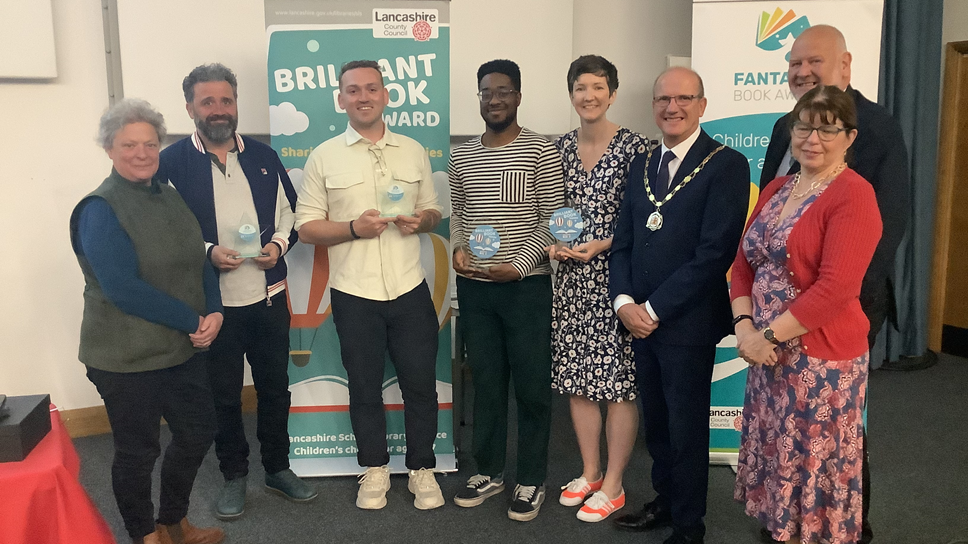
{"points": [[910, 76]]}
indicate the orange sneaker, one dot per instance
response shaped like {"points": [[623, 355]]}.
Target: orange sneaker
{"points": [[577, 490], [599, 507]]}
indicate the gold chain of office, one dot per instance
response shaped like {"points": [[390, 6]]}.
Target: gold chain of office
{"points": [[654, 222]]}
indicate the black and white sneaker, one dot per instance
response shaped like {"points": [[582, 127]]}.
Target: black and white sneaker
{"points": [[526, 502], [479, 487]]}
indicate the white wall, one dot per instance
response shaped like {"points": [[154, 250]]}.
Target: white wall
{"points": [[635, 35], [955, 26], [537, 34], [49, 161]]}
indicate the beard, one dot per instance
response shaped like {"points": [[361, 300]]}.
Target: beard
{"points": [[217, 133], [500, 126]]}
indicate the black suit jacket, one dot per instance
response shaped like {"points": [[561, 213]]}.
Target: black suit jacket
{"points": [[880, 157], [681, 268]]}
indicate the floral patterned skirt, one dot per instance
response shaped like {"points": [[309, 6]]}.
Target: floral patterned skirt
{"points": [[801, 456], [592, 355]]}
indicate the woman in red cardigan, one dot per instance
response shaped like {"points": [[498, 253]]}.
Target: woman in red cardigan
{"points": [[795, 295]]}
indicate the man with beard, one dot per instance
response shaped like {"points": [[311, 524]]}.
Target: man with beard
{"points": [[819, 56], [231, 182], [509, 179]]}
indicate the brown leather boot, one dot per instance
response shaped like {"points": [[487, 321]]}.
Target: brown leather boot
{"points": [[160, 536], [186, 533]]}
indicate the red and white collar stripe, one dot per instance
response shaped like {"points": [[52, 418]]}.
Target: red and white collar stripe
{"points": [[197, 142]]}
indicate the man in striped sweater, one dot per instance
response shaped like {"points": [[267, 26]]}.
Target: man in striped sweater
{"points": [[509, 179]]}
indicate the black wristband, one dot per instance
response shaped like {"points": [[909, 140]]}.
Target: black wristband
{"points": [[739, 318], [208, 254], [278, 245], [353, 232]]}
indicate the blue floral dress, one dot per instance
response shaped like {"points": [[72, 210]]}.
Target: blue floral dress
{"points": [[800, 459], [592, 356]]}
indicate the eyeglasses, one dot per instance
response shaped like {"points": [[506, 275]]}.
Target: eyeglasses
{"points": [[501, 94], [682, 100], [826, 133]]}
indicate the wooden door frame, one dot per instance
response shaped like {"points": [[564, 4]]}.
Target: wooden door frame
{"points": [[954, 99]]}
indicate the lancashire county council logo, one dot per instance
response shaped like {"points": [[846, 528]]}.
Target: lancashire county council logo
{"points": [[422, 31], [778, 30], [417, 23]]}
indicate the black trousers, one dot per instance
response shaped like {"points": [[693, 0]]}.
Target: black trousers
{"points": [[260, 333], [675, 383], [406, 327], [135, 404], [877, 301], [507, 328]]}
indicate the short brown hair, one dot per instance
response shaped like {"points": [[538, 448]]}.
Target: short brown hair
{"points": [[354, 64], [830, 104], [595, 65]]}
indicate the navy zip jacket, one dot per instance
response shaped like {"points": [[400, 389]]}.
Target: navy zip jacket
{"points": [[190, 171]]}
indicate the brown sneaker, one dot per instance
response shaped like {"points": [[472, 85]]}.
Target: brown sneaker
{"points": [[186, 533]]}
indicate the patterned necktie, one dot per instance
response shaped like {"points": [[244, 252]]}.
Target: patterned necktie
{"points": [[662, 181]]}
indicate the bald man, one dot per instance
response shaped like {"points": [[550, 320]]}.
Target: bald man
{"points": [[677, 234], [820, 57]]}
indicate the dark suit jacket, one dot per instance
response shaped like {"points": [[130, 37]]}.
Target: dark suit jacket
{"points": [[681, 268], [880, 157]]}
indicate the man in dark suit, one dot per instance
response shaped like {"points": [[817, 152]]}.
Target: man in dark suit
{"points": [[819, 57], [677, 234]]}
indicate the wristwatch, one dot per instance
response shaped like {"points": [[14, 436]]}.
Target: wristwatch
{"points": [[770, 336]]}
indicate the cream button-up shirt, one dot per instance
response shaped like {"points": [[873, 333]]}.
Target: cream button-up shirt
{"points": [[345, 176]]}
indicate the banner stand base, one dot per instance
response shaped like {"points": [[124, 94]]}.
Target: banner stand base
{"points": [[724, 458], [347, 466]]}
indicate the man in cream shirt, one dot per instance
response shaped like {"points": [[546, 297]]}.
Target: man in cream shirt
{"points": [[380, 299]]}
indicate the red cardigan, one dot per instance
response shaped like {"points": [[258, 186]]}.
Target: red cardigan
{"points": [[828, 252]]}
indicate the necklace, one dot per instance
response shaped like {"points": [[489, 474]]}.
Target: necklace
{"points": [[817, 183], [654, 222]]}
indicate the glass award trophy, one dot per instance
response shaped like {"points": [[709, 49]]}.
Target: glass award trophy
{"points": [[247, 238], [393, 200], [484, 243], [566, 225]]}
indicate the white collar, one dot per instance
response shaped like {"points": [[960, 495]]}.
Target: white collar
{"points": [[682, 147], [352, 136]]}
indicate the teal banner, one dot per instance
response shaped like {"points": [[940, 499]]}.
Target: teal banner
{"points": [[308, 42]]}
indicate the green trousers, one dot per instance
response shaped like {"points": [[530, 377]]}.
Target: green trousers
{"points": [[507, 328]]}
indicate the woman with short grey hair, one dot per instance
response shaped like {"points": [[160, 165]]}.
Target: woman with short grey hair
{"points": [[125, 112], [151, 309]]}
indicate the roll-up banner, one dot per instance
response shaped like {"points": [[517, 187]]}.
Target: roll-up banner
{"points": [[741, 49], [308, 42]]}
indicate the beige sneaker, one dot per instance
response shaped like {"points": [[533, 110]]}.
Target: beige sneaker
{"points": [[426, 492], [374, 484]]}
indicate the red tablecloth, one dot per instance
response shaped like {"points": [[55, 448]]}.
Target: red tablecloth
{"points": [[41, 500]]}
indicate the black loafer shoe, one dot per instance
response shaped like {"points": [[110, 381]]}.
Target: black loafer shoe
{"points": [[651, 516], [680, 538]]}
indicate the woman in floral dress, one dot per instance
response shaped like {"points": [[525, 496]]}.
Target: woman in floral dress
{"points": [[795, 289], [592, 356]]}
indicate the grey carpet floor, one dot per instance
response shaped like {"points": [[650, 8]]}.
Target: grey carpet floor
{"points": [[918, 432]]}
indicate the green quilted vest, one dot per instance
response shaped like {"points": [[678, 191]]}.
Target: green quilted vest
{"points": [[171, 257]]}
